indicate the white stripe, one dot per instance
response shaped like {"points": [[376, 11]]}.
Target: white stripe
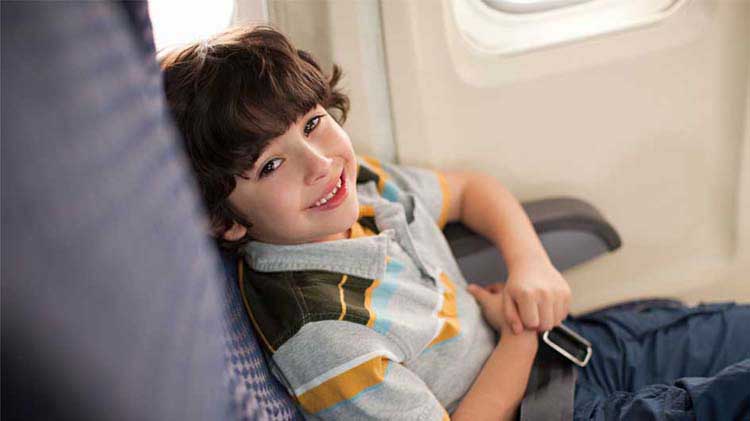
{"points": [[436, 311], [342, 369]]}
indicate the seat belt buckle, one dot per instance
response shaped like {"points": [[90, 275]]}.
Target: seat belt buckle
{"points": [[569, 344]]}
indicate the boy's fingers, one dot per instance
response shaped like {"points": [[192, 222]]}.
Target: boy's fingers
{"points": [[559, 312], [529, 312], [511, 314], [546, 316], [498, 287]]}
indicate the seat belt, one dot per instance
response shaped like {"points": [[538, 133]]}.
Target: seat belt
{"points": [[549, 393]]}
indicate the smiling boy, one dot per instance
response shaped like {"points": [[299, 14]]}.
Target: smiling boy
{"points": [[301, 188], [345, 273], [356, 244]]}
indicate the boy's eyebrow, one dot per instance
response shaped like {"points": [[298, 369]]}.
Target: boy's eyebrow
{"points": [[263, 149], [267, 143]]}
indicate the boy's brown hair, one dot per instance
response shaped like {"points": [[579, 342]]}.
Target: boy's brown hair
{"points": [[232, 94]]}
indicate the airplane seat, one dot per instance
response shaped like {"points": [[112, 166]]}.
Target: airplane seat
{"points": [[255, 390], [111, 298], [113, 301]]}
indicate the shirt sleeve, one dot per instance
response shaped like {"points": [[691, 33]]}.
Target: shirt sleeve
{"points": [[427, 185], [343, 370]]}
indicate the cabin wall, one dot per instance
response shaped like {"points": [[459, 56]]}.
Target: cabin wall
{"points": [[347, 33]]}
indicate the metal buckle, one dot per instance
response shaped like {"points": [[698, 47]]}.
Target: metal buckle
{"points": [[569, 344]]}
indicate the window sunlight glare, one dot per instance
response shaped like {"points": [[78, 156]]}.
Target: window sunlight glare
{"points": [[177, 22]]}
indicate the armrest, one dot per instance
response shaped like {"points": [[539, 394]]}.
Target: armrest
{"points": [[571, 230]]}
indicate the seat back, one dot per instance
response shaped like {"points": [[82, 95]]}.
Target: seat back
{"points": [[114, 304]]}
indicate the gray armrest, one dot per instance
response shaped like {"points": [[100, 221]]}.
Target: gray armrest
{"points": [[572, 231]]}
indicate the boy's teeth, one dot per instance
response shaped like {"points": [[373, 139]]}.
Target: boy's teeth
{"points": [[330, 195]]}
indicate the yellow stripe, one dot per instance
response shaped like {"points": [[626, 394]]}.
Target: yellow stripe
{"points": [[341, 295], [366, 210], [377, 169], [344, 386], [357, 231], [450, 329], [449, 303], [443, 219], [240, 276], [449, 312], [368, 302], [446, 417]]}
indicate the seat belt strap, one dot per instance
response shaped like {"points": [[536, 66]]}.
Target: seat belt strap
{"points": [[549, 393]]}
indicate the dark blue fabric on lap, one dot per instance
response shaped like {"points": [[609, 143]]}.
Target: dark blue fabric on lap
{"points": [[666, 363]]}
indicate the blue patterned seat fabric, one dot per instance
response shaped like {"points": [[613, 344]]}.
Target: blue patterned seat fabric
{"points": [[254, 389]]}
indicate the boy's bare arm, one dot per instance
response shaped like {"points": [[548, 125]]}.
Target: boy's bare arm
{"points": [[540, 296], [498, 390]]}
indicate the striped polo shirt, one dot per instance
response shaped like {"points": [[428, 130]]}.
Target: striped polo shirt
{"points": [[377, 326]]}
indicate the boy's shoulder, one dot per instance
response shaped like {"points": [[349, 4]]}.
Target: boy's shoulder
{"points": [[392, 181], [281, 303]]}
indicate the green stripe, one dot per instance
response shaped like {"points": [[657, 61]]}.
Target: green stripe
{"points": [[369, 222], [365, 175], [282, 302]]}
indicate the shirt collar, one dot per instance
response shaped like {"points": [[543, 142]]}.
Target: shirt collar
{"points": [[361, 255], [364, 257]]}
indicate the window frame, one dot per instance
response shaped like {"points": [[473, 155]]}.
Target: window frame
{"points": [[530, 6], [492, 31]]}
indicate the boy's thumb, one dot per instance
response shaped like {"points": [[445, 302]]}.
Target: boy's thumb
{"points": [[478, 292]]}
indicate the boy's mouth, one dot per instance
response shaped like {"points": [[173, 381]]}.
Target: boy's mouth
{"points": [[336, 194]]}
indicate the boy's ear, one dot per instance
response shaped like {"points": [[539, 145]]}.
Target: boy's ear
{"points": [[235, 233]]}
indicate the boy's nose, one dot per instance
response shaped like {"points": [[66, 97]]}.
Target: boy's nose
{"points": [[319, 167]]}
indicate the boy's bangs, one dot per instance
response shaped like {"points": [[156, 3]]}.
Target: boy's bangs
{"points": [[281, 94]]}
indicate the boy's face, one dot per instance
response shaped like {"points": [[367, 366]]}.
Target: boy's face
{"points": [[286, 195]]}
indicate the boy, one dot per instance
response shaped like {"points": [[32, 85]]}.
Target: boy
{"points": [[345, 274]]}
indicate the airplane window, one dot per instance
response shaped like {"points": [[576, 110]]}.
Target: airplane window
{"points": [[176, 23], [530, 6], [508, 27]]}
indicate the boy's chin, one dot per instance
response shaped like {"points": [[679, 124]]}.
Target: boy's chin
{"points": [[352, 212], [349, 218]]}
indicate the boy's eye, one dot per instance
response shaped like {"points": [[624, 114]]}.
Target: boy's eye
{"points": [[312, 124], [270, 166]]}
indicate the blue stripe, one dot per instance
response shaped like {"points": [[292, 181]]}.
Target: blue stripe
{"points": [[382, 295], [390, 191], [360, 394]]}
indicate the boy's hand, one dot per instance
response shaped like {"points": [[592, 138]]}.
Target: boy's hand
{"points": [[491, 300], [538, 297]]}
